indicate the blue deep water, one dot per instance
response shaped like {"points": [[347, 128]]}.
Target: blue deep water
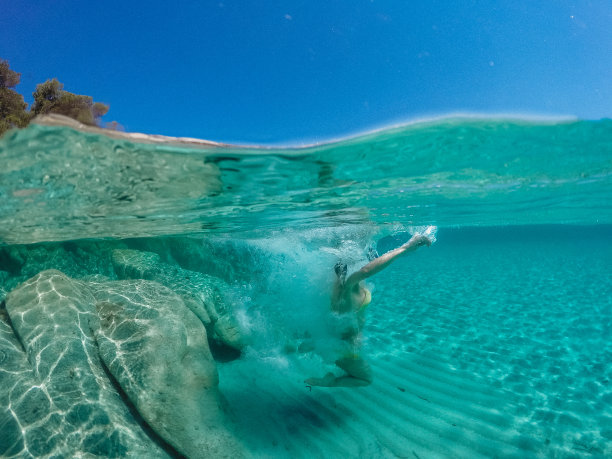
{"points": [[493, 342]]}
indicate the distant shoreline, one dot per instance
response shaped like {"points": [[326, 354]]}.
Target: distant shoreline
{"points": [[64, 121]]}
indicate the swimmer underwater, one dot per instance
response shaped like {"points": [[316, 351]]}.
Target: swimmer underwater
{"points": [[350, 298]]}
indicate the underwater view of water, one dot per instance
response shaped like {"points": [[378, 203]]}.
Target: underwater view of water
{"points": [[162, 298]]}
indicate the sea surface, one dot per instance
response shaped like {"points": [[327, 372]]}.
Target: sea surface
{"points": [[496, 341]]}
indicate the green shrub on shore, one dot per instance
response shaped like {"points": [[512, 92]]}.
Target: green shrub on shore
{"points": [[49, 97], [12, 106]]}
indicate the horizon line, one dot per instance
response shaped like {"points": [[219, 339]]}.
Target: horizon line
{"points": [[303, 144]]}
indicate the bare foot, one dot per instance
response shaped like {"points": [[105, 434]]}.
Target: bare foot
{"points": [[326, 381], [331, 380]]}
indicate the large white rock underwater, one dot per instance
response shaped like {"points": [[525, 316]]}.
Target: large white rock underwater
{"points": [[114, 368], [200, 292]]}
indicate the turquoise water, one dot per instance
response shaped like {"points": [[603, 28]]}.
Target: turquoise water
{"points": [[60, 184], [494, 342]]}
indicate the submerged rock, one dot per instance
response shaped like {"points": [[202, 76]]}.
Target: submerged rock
{"points": [[59, 340], [158, 352], [200, 292], [52, 382]]}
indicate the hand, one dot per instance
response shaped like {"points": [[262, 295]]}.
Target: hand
{"points": [[417, 241], [424, 240]]}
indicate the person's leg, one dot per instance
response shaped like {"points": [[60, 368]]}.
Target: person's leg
{"points": [[358, 373], [357, 369]]}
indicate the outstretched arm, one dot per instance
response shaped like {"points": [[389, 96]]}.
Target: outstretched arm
{"points": [[385, 260]]}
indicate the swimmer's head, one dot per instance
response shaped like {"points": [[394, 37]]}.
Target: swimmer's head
{"points": [[340, 270]]}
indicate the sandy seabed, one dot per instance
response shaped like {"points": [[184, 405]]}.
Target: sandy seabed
{"points": [[480, 348]]}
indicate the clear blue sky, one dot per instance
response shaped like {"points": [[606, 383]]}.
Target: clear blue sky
{"points": [[290, 71]]}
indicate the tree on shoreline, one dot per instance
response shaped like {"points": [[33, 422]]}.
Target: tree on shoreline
{"points": [[12, 106], [49, 97]]}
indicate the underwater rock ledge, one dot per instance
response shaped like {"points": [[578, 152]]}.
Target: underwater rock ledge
{"points": [[200, 292], [59, 338]]}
